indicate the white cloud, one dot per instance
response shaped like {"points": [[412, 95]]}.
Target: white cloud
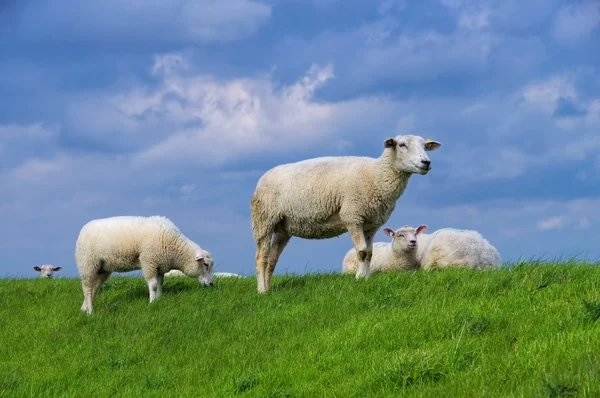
{"points": [[387, 6], [576, 21], [474, 20], [552, 223], [37, 132], [427, 55], [195, 21], [544, 95], [452, 3], [199, 119], [405, 124], [16, 137], [584, 223]]}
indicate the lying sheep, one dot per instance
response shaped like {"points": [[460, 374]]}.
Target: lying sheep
{"points": [[449, 247], [47, 270], [175, 272], [325, 197], [126, 243], [398, 255]]}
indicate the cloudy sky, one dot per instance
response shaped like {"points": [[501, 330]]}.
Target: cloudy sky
{"points": [[177, 107]]}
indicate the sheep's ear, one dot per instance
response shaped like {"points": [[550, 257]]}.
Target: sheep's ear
{"points": [[389, 232], [38, 269], [421, 229], [431, 145], [56, 268], [390, 143]]}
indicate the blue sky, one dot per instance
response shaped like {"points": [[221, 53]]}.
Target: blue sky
{"points": [[177, 107]]}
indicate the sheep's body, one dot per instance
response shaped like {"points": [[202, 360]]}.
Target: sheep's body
{"points": [[325, 197], [47, 270], [398, 255], [449, 247], [384, 259], [177, 273], [125, 243]]}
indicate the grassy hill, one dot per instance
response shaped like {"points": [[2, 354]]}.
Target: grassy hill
{"points": [[527, 331]]}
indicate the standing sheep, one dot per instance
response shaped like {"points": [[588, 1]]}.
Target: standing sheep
{"points": [[397, 255], [449, 247], [126, 243], [325, 197], [47, 270]]}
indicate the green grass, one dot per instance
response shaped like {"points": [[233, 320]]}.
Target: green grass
{"points": [[527, 331]]}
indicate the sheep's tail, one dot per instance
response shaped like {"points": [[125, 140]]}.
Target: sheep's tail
{"points": [[256, 212]]}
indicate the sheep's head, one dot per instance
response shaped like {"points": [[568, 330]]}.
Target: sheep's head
{"points": [[47, 271], [409, 153], [404, 240], [205, 264]]}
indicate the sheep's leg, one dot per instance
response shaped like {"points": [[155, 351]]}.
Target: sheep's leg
{"points": [[87, 286], [151, 275], [262, 229], [90, 289], [279, 241], [159, 284], [152, 287], [363, 243], [262, 263]]}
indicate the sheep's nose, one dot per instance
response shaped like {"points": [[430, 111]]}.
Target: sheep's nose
{"points": [[426, 162], [413, 242]]}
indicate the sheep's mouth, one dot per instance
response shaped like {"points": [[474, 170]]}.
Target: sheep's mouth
{"points": [[423, 169], [411, 247]]}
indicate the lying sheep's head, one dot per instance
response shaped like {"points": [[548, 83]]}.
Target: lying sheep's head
{"points": [[405, 238], [47, 271], [409, 153], [205, 263]]}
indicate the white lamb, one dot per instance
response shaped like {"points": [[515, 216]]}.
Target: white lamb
{"points": [[47, 270], [325, 197], [125, 243], [398, 255], [449, 247], [175, 272]]}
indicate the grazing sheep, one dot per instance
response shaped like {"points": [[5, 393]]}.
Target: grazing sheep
{"points": [[325, 197], [449, 247], [175, 272], [47, 270], [398, 255], [126, 243]]}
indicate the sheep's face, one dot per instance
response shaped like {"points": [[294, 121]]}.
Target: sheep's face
{"points": [[47, 271], [404, 240], [205, 264], [410, 153]]}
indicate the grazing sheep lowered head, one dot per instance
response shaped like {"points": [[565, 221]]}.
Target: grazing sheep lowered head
{"points": [[47, 270], [153, 245]]}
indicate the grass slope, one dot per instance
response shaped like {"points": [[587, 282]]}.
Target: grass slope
{"points": [[529, 331]]}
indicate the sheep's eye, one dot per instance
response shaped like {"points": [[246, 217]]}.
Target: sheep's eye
{"points": [[401, 235], [402, 145]]}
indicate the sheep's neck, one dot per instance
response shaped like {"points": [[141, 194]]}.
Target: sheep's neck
{"points": [[390, 182], [180, 250]]}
